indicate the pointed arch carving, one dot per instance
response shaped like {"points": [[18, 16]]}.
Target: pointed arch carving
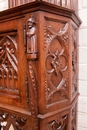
{"points": [[8, 64]]}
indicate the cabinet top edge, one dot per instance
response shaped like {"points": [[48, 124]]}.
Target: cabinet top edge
{"points": [[19, 11]]}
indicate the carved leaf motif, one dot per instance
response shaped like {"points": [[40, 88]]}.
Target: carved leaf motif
{"points": [[8, 64], [56, 61]]}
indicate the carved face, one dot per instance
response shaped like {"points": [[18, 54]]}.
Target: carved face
{"points": [[30, 24]]}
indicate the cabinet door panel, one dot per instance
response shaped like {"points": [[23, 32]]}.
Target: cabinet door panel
{"points": [[12, 69]]}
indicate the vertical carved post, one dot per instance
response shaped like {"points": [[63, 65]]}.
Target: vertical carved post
{"points": [[31, 51]]}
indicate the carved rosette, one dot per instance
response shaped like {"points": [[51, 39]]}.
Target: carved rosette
{"points": [[10, 121], [58, 124], [56, 49], [74, 60], [8, 64]]}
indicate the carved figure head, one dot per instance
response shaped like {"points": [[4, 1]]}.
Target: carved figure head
{"points": [[31, 22]]}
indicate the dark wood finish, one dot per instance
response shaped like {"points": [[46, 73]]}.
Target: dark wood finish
{"points": [[38, 67]]}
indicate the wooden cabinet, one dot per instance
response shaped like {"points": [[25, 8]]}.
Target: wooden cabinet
{"points": [[38, 67]]}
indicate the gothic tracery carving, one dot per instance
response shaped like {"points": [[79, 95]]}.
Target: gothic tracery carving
{"points": [[58, 124], [7, 120], [56, 61], [8, 64]]}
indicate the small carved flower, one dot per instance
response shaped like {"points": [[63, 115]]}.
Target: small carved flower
{"points": [[56, 64]]}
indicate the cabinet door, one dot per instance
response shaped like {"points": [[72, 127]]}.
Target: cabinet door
{"points": [[13, 66]]}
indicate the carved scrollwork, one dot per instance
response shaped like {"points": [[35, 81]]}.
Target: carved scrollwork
{"points": [[7, 120], [8, 64], [58, 124], [56, 62]]}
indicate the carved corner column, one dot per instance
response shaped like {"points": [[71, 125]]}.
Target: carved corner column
{"points": [[31, 54]]}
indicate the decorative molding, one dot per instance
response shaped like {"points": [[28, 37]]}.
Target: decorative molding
{"points": [[27, 88], [74, 60], [8, 64], [33, 96], [73, 117], [56, 61], [58, 124]]}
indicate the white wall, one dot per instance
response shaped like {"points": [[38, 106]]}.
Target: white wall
{"points": [[3, 4], [82, 103]]}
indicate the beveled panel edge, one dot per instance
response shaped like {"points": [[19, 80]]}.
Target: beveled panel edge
{"points": [[43, 116]]}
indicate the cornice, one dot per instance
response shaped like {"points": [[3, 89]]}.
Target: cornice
{"points": [[19, 11]]}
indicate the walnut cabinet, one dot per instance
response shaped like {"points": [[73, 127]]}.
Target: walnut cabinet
{"points": [[38, 67]]}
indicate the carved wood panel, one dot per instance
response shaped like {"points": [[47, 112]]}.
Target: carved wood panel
{"points": [[8, 64], [9, 121], [58, 124], [56, 40], [13, 88]]}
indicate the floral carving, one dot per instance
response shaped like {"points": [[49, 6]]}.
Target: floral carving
{"points": [[56, 62], [48, 36]]}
